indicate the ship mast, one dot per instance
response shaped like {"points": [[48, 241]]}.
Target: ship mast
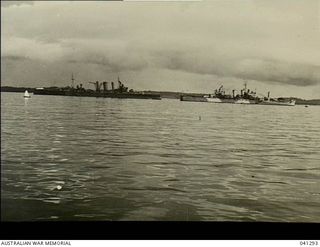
{"points": [[72, 79]]}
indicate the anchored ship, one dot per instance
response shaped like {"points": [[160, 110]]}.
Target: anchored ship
{"points": [[245, 96], [101, 90], [279, 101]]}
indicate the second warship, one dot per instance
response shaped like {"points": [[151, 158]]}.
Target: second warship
{"points": [[246, 96]]}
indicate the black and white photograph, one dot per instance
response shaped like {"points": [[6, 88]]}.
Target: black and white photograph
{"points": [[180, 111]]}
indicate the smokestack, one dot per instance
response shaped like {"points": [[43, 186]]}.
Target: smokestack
{"points": [[105, 88], [112, 85], [233, 93], [241, 92], [268, 95], [97, 86]]}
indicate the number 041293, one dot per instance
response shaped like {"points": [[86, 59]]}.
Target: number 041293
{"points": [[308, 243]]}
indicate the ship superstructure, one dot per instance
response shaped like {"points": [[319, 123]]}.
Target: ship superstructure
{"points": [[101, 89], [244, 96]]}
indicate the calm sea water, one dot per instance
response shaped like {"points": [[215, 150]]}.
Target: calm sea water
{"points": [[127, 159]]}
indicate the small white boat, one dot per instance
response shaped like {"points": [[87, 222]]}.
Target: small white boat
{"points": [[26, 94]]}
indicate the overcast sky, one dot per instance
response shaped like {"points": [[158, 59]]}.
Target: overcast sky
{"points": [[173, 46]]}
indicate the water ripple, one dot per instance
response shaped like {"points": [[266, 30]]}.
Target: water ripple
{"points": [[155, 160]]}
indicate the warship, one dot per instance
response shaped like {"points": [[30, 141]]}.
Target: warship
{"points": [[245, 96], [101, 90], [278, 101]]}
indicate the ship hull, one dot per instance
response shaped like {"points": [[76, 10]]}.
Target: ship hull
{"points": [[98, 94], [215, 100], [277, 103], [218, 100], [48, 92], [193, 98]]}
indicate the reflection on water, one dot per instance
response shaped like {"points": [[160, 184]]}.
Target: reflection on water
{"points": [[67, 158]]}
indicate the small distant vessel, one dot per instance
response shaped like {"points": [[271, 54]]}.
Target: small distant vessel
{"points": [[290, 102], [26, 94], [279, 101]]}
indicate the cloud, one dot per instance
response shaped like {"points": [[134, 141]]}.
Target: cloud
{"points": [[34, 49], [271, 70], [233, 40], [15, 3], [258, 69]]}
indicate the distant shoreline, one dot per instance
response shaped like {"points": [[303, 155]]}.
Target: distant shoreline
{"points": [[16, 89], [163, 94]]}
